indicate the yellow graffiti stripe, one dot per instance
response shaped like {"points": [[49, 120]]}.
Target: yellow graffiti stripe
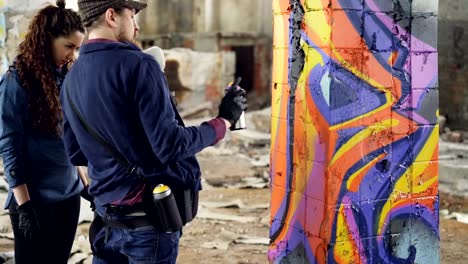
{"points": [[428, 150], [312, 139], [280, 62], [313, 58], [275, 123], [317, 21], [391, 58], [423, 187], [402, 185], [348, 246], [362, 135], [361, 170], [276, 6]]}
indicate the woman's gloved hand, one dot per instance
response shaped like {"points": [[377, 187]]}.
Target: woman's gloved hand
{"points": [[88, 197], [28, 222]]}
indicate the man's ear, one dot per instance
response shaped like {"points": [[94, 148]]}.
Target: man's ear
{"points": [[111, 17]]}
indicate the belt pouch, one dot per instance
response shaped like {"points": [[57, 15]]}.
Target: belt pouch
{"points": [[187, 202], [166, 214]]}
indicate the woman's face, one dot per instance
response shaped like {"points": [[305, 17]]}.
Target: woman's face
{"points": [[64, 48]]}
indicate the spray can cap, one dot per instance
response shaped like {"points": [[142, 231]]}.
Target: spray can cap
{"points": [[161, 188]]}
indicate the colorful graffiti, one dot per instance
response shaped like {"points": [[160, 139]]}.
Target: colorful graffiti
{"points": [[354, 153]]}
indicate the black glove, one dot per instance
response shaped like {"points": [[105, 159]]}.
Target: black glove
{"points": [[28, 222], [88, 197], [232, 105]]}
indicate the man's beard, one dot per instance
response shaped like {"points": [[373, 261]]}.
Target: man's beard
{"points": [[123, 37]]}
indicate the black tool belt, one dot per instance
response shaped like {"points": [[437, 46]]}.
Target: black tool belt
{"points": [[170, 215], [125, 210], [131, 223]]}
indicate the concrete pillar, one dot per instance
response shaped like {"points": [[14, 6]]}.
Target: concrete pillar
{"points": [[354, 157], [211, 16]]}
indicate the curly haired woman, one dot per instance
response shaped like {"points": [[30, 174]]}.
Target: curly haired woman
{"points": [[44, 188]]}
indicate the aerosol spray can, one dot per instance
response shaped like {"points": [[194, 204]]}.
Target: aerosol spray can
{"points": [[160, 192], [166, 206], [240, 124]]}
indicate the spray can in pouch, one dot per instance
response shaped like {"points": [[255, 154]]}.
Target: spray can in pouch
{"points": [[168, 214]]}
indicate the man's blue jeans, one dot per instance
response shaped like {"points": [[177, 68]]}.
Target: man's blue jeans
{"points": [[144, 245]]}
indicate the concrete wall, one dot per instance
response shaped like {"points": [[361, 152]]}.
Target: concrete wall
{"points": [[246, 16], [242, 26], [207, 16], [453, 51], [354, 157], [162, 17]]}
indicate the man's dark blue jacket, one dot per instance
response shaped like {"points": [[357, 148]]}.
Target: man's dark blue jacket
{"points": [[122, 93]]}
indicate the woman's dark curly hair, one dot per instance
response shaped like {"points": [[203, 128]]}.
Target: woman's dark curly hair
{"points": [[35, 64]]}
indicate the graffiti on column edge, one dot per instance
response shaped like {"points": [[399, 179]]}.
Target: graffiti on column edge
{"points": [[354, 154]]}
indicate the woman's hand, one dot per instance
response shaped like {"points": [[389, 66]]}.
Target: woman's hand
{"points": [[28, 222]]}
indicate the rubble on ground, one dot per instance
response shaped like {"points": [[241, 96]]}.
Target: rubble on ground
{"points": [[449, 135], [453, 173], [453, 162]]}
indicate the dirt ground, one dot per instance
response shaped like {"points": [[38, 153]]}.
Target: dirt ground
{"points": [[453, 235], [197, 243], [197, 236]]}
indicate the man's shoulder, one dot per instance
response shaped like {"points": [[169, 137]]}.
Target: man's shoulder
{"points": [[136, 55], [112, 50], [112, 56]]}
